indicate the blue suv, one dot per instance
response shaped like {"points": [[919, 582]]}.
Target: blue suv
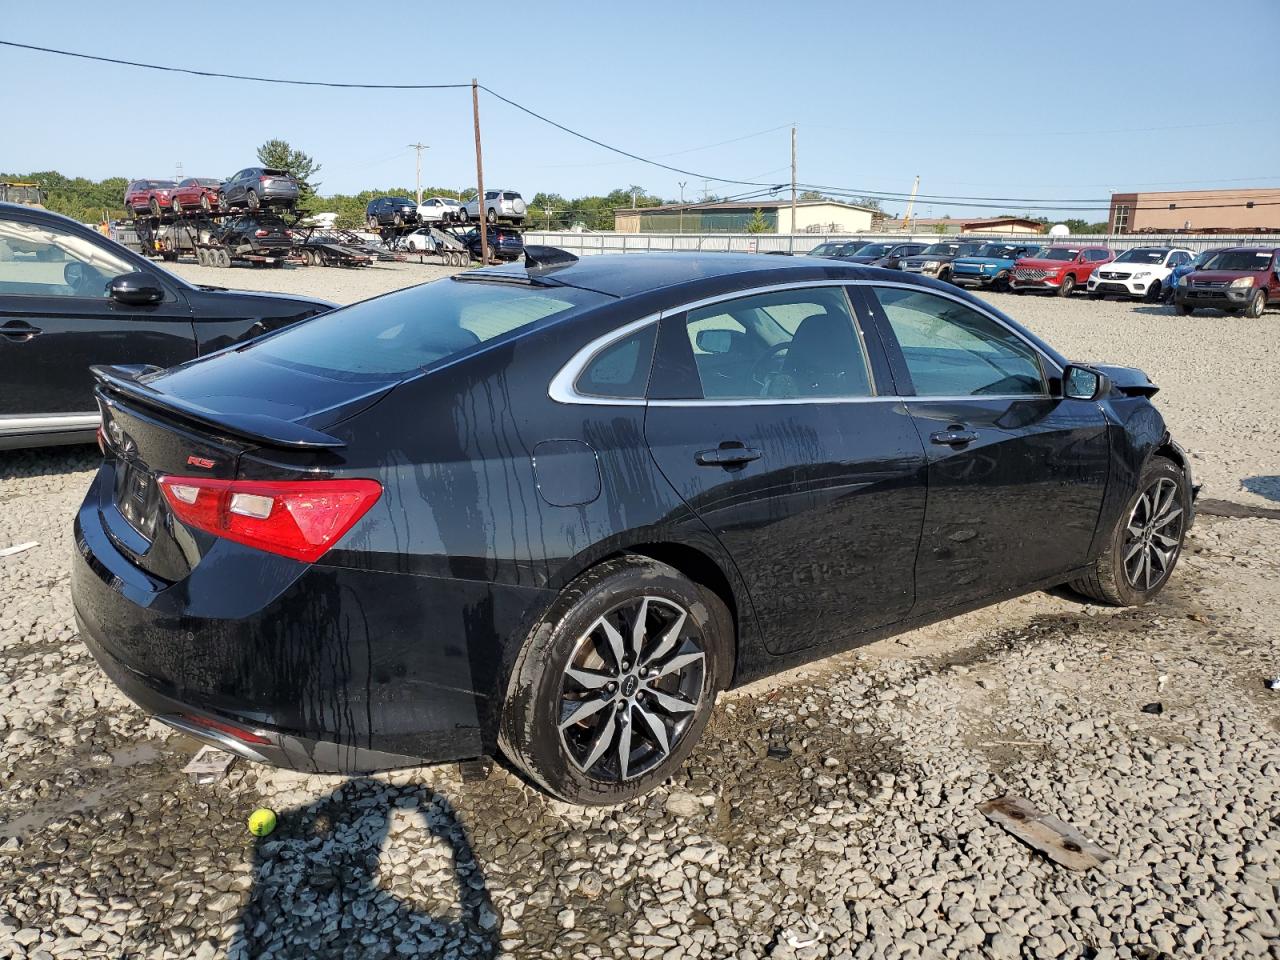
{"points": [[991, 265]]}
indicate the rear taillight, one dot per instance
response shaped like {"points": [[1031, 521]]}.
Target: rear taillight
{"points": [[300, 519], [262, 233], [263, 179]]}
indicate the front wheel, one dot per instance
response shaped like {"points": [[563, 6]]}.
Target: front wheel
{"points": [[1257, 305], [1068, 286], [612, 690], [463, 216], [205, 204], [176, 207], [1155, 292], [1146, 541]]}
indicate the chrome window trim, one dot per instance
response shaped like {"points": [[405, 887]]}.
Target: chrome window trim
{"points": [[564, 385]]}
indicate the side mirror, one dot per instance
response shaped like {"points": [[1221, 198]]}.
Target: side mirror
{"points": [[714, 341], [1081, 383], [135, 289]]}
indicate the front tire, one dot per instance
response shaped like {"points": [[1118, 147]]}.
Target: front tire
{"points": [[612, 690], [1155, 292], [1146, 542], [1257, 304], [1068, 286]]}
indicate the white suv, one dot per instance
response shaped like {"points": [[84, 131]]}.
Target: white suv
{"points": [[440, 210], [1139, 272], [498, 205]]}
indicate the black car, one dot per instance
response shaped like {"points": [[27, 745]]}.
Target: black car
{"points": [[893, 259], [866, 253], [390, 212], [261, 234], [70, 297], [505, 243], [553, 508]]}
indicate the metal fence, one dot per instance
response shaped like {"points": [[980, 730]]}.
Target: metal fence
{"points": [[586, 244]]}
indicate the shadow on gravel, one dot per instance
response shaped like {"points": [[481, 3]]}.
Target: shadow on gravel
{"points": [[328, 884], [1268, 487]]}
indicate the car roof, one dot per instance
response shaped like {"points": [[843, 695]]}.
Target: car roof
{"points": [[629, 275]]}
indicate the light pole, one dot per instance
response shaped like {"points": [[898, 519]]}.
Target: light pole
{"points": [[682, 183]]}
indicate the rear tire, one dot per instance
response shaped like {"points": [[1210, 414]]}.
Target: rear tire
{"points": [[176, 207], [463, 216], [1257, 305], [251, 200], [1135, 566], [493, 216], [373, 224], [1068, 286], [635, 727]]}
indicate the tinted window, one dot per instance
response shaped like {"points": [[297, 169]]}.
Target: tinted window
{"points": [[1098, 255], [789, 344], [1239, 260], [621, 369], [41, 261], [400, 333], [952, 350], [1059, 253]]}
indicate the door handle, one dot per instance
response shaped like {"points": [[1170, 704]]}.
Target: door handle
{"points": [[727, 456], [954, 438], [19, 331]]}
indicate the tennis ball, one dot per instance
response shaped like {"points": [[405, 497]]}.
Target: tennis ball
{"points": [[262, 821]]}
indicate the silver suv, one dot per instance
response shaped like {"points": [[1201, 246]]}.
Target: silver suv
{"points": [[498, 205]]}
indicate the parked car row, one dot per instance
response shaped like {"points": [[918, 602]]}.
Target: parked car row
{"points": [[1234, 279], [499, 205]]}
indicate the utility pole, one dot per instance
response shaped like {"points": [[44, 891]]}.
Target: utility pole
{"points": [[793, 180], [682, 183], [705, 191], [484, 226], [911, 204], [633, 197], [419, 147], [179, 171]]}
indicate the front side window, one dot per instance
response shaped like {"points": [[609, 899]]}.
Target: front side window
{"points": [[792, 344], [952, 350], [41, 261]]}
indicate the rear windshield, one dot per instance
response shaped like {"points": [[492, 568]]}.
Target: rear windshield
{"points": [[1240, 260], [399, 334], [267, 171], [510, 195]]}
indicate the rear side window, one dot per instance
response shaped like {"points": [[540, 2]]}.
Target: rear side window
{"points": [[402, 333], [952, 350], [621, 369]]}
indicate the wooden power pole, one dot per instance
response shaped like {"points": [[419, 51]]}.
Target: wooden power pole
{"points": [[480, 212], [793, 184], [419, 147]]}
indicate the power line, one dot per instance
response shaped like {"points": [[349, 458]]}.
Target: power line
{"points": [[238, 76]]}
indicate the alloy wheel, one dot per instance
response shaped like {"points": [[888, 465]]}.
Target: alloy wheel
{"points": [[631, 689], [1154, 535]]}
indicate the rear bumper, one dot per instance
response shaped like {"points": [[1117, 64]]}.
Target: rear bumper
{"points": [[339, 670]]}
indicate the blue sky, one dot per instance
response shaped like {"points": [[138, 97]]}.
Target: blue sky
{"points": [[1045, 101]]}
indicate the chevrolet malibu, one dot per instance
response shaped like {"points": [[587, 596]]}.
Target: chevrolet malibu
{"points": [[552, 509]]}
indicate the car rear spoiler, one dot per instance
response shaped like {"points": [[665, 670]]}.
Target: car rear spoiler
{"points": [[272, 431]]}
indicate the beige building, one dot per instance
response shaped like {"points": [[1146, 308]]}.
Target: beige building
{"points": [[988, 226], [812, 216], [1252, 210]]}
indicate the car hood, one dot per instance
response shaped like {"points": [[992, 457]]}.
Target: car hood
{"points": [[984, 261], [1220, 275], [1045, 264]]}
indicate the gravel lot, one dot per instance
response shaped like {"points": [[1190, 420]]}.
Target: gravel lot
{"points": [[830, 812]]}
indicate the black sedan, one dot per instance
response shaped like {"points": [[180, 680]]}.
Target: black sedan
{"points": [[70, 297], [553, 508]]}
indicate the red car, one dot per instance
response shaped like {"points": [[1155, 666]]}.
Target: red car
{"points": [[1060, 269], [152, 196], [1235, 279], [195, 192]]}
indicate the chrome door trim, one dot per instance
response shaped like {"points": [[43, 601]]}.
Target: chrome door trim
{"points": [[57, 421]]}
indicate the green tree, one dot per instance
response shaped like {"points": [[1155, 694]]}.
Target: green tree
{"points": [[281, 156], [757, 223]]}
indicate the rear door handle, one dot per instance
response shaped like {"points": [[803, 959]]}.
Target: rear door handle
{"points": [[727, 456], [19, 331], [954, 438]]}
